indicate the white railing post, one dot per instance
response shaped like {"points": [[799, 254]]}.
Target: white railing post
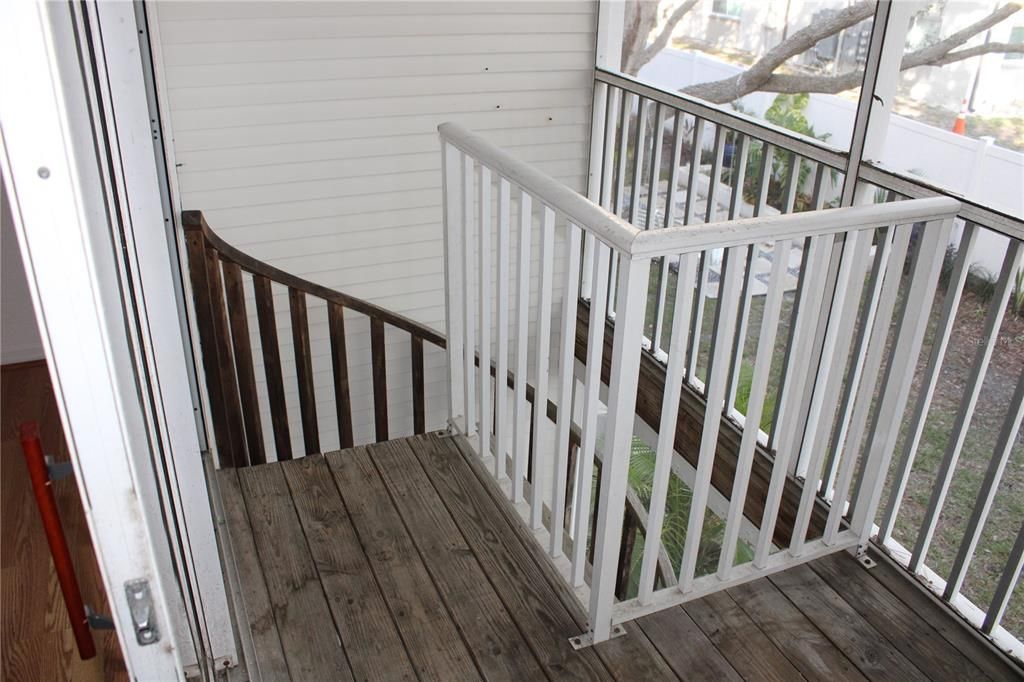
{"points": [[520, 410], [899, 374], [451, 185], [502, 303], [598, 131], [484, 277], [468, 291], [591, 400], [630, 307]]}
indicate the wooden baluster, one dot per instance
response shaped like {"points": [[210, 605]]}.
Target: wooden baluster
{"points": [[339, 362], [239, 322], [380, 379], [272, 366], [304, 371], [418, 392], [195, 243], [225, 363]]}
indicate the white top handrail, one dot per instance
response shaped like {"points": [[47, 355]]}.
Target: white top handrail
{"points": [[622, 236], [690, 238], [608, 227]]}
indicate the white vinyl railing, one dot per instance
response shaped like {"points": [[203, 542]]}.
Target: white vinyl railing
{"points": [[564, 241], [664, 160]]}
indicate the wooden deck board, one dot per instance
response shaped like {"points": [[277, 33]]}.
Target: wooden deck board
{"points": [[916, 639], [375, 649], [739, 639], [527, 595], [628, 657], [488, 629], [270, 662], [431, 637], [310, 642], [871, 652], [428, 573], [793, 634], [699, 659]]}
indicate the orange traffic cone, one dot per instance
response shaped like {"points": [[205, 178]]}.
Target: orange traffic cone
{"points": [[960, 124]]}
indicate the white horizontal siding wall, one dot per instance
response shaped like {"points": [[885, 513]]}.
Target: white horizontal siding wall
{"points": [[306, 133]]}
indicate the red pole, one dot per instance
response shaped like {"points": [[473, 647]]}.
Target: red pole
{"points": [[43, 491]]}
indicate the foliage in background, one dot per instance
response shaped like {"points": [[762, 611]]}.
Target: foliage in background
{"points": [[789, 112], [677, 517]]}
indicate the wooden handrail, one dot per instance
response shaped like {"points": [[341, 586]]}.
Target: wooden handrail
{"points": [[194, 220], [216, 271]]}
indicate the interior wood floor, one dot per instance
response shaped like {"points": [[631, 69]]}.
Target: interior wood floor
{"points": [[37, 643], [397, 561]]}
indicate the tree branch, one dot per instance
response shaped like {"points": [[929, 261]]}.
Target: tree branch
{"points": [[647, 52], [791, 84], [760, 76], [754, 78]]}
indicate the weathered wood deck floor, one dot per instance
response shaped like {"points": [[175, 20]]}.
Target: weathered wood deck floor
{"points": [[395, 561]]}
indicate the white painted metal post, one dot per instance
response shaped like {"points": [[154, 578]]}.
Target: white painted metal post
{"points": [[542, 359], [899, 374], [597, 169], [521, 412], [990, 336], [451, 186], [755, 406], [591, 404], [950, 305], [1007, 582], [484, 278], [987, 494], [468, 291], [665, 449], [631, 305], [725, 322], [566, 363], [502, 302]]}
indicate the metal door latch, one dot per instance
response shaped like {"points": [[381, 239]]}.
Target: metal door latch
{"points": [[140, 604]]}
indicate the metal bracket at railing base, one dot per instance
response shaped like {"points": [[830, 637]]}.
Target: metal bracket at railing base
{"points": [[97, 621], [587, 638], [860, 553], [455, 427]]}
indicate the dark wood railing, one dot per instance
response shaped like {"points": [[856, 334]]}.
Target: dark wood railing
{"points": [[216, 271]]}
